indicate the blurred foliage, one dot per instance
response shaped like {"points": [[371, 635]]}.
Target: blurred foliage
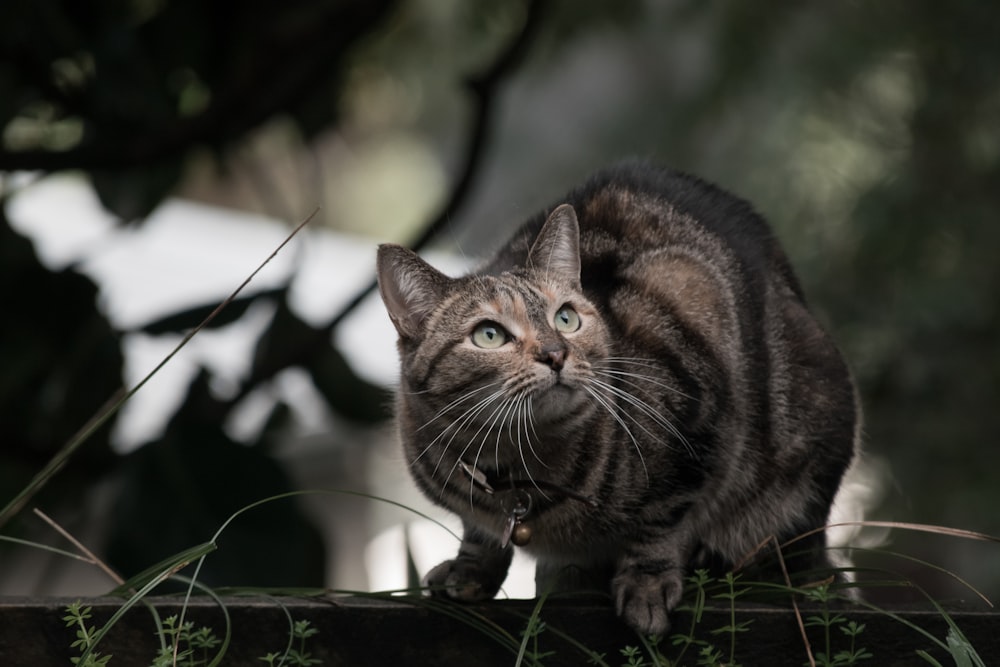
{"points": [[188, 483], [128, 92], [60, 361], [127, 89], [868, 133]]}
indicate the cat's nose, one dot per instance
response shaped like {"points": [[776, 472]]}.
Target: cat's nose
{"points": [[553, 355]]}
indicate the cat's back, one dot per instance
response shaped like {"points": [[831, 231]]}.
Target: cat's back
{"points": [[635, 209]]}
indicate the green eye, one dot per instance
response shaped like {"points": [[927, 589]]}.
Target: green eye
{"points": [[489, 336], [567, 320]]}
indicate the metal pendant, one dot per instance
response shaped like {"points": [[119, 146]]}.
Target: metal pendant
{"points": [[515, 530], [521, 535]]}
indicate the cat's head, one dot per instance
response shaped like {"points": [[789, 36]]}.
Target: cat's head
{"points": [[508, 353]]}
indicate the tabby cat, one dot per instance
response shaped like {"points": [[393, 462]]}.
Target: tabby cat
{"points": [[631, 388]]}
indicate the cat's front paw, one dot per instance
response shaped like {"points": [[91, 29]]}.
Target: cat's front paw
{"points": [[463, 580], [644, 599]]}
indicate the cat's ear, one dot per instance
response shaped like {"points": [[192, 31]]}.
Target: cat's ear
{"points": [[410, 288], [557, 248]]}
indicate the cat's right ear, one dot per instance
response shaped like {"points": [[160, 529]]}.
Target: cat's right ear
{"points": [[557, 247], [410, 288]]}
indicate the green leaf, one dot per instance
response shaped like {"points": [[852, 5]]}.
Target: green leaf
{"points": [[852, 629], [961, 650]]}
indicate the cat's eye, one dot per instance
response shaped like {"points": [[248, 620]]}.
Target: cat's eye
{"points": [[489, 335], [566, 320]]}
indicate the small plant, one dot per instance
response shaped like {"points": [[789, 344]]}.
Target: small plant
{"points": [[709, 656], [531, 633], [634, 657], [732, 629], [826, 620], [295, 656], [77, 615], [699, 581], [652, 657], [185, 646], [192, 646], [854, 654], [826, 658]]}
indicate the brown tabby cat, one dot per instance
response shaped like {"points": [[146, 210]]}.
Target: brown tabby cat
{"points": [[633, 387]]}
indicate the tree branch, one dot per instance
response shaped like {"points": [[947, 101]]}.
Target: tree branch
{"points": [[276, 81], [484, 88]]}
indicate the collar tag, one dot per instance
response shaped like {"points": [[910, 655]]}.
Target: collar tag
{"points": [[515, 530], [477, 476]]}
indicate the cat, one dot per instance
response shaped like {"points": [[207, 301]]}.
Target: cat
{"points": [[632, 387]]}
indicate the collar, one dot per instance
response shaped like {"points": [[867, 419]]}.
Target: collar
{"points": [[517, 506]]}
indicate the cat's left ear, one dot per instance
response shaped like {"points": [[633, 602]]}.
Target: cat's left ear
{"points": [[557, 248], [410, 287]]}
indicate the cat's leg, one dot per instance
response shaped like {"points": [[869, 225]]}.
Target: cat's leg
{"points": [[476, 573], [649, 582]]}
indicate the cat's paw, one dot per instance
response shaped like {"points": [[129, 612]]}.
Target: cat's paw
{"points": [[645, 599], [462, 580]]}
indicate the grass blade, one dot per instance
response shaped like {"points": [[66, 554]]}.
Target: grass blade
{"points": [[533, 620], [120, 397]]}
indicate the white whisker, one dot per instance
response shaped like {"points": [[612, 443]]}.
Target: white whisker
{"points": [[524, 462], [648, 410], [457, 425], [529, 420], [511, 405], [461, 399], [488, 424], [603, 402], [642, 363]]}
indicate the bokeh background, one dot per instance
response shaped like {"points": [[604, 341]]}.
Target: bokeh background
{"points": [[868, 133]]}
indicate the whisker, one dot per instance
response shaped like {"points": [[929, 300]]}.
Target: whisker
{"points": [[457, 401], [646, 378], [642, 363], [621, 376], [649, 411], [524, 463], [627, 378], [529, 419], [601, 400], [512, 405], [458, 423], [495, 419], [488, 425], [456, 426]]}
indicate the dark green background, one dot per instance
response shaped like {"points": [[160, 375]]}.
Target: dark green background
{"points": [[868, 133]]}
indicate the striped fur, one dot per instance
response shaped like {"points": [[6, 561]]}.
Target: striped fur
{"points": [[699, 403]]}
